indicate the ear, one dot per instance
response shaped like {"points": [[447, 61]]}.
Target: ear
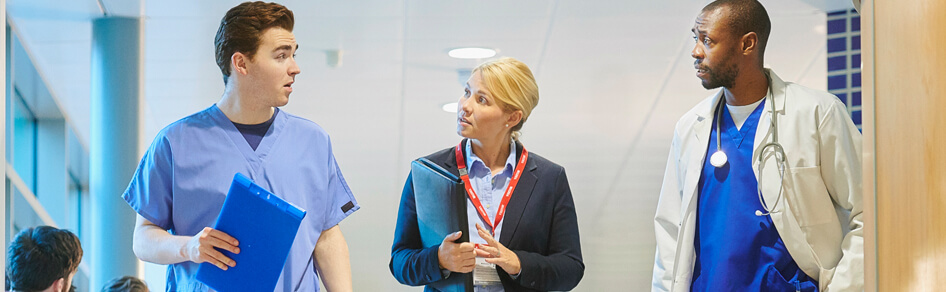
{"points": [[58, 284], [238, 63], [750, 43], [514, 118]]}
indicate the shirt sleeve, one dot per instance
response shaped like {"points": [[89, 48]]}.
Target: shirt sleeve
{"points": [[150, 191], [341, 201]]}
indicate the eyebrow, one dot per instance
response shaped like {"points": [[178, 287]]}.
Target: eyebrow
{"points": [[478, 91], [285, 47]]}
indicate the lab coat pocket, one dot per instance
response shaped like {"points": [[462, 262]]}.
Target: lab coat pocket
{"points": [[808, 197]]}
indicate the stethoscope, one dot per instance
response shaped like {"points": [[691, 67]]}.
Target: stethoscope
{"points": [[719, 158]]}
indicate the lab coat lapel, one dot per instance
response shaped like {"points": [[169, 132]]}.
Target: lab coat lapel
{"points": [[769, 178], [696, 152]]}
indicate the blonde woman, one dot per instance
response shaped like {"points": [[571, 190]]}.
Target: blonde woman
{"points": [[524, 241]]}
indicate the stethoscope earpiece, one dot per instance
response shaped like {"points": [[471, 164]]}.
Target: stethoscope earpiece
{"points": [[759, 213]]}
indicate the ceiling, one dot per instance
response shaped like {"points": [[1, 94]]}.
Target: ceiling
{"points": [[614, 77]]}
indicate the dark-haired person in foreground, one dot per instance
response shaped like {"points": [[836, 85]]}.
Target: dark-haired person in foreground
{"points": [[183, 179], [762, 190], [44, 259]]}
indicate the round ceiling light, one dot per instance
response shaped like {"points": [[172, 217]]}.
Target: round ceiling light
{"points": [[450, 107], [471, 53]]}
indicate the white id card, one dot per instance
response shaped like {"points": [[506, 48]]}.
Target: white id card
{"points": [[485, 273]]}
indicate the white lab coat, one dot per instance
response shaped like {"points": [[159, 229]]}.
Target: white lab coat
{"points": [[819, 213]]}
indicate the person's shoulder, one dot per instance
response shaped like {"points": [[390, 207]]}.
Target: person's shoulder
{"points": [[803, 101], [198, 120], [302, 124], [805, 95], [544, 163], [442, 155], [687, 119]]}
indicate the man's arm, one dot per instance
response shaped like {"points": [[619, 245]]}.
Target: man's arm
{"points": [[842, 174], [156, 245], [331, 258]]}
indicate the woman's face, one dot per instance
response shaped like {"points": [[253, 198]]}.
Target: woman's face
{"points": [[479, 116]]}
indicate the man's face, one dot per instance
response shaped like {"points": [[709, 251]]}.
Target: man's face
{"points": [[716, 50], [273, 68]]}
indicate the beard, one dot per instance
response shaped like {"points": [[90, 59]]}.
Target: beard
{"points": [[720, 76]]}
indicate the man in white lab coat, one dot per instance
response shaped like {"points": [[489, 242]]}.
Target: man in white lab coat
{"points": [[778, 212]]}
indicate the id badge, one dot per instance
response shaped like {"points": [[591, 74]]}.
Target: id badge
{"points": [[485, 273]]}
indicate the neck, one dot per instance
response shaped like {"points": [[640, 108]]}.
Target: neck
{"points": [[493, 152], [749, 88], [239, 109]]}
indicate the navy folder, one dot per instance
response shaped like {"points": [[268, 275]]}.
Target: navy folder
{"points": [[440, 201], [265, 225]]}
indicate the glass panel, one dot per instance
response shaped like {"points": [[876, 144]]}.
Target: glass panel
{"points": [[24, 142], [74, 220]]}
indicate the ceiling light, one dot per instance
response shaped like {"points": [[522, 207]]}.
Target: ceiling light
{"points": [[450, 107], [471, 53]]}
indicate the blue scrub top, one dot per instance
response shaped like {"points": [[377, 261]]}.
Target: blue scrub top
{"points": [[735, 249], [183, 179]]}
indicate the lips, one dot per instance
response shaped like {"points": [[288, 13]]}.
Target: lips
{"points": [[462, 120], [700, 70]]}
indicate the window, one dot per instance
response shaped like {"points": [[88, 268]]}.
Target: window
{"points": [[23, 141]]}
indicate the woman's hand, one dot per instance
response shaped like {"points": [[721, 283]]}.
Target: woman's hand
{"points": [[496, 253], [456, 257]]}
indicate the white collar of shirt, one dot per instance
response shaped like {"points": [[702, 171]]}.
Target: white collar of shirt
{"points": [[740, 113], [472, 160]]}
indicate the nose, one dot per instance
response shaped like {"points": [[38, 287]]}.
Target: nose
{"points": [[294, 67], [464, 106], [697, 52]]}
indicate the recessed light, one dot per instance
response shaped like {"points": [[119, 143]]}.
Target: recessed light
{"points": [[471, 53], [450, 107]]}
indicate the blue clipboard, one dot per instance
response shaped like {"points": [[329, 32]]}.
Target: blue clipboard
{"points": [[265, 225]]}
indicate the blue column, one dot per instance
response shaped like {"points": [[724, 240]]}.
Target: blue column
{"points": [[113, 149]]}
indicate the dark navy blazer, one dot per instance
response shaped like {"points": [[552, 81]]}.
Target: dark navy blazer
{"points": [[540, 226]]}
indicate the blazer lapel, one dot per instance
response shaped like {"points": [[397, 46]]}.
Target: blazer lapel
{"points": [[450, 164], [519, 200]]}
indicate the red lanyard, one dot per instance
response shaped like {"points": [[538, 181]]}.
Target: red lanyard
{"points": [[516, 174]]}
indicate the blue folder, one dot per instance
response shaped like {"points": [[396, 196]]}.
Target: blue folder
{"points": [[440, 202], [265, 225]]}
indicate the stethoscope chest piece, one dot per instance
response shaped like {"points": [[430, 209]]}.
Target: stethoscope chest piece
{"points": [[718, 159]]}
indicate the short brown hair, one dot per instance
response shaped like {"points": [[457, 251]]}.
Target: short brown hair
{"points": [[39, 256], [243, 25]]}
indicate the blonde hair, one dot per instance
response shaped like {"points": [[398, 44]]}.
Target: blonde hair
{"points": [[513, 87]]}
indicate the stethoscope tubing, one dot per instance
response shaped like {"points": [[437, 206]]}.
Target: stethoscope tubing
{"points": [[719, 158]]}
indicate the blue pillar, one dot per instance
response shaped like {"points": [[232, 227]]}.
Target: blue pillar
{"points": [[113, 149]]}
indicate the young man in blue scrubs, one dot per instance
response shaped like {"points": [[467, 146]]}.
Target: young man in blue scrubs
{"points": [[762, 190], [183, 179]]}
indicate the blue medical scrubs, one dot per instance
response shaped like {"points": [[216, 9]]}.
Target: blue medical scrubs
{"points": [[735, 249], [183, 179]]}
